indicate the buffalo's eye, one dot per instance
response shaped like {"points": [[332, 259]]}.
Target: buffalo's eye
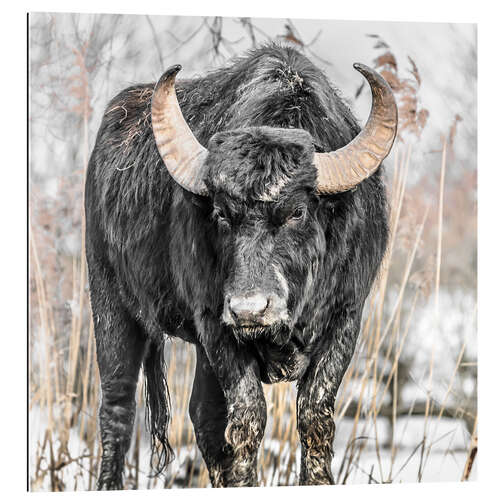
{"points": [[297, 214]]}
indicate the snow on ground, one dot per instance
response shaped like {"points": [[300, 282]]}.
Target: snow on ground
{"points": [[444, 462]]}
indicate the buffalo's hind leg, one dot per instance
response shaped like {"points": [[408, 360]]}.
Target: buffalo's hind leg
{"points": [[208, 412], [120, 350]]}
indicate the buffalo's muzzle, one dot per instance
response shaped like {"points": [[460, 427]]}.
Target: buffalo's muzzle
{"points": [[249, 310], [254, 309]]}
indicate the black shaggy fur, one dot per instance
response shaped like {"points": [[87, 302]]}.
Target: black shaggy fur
{"points": [[165, 262]]}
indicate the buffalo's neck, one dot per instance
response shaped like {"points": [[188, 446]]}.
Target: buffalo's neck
{"points": [[284, 362]]}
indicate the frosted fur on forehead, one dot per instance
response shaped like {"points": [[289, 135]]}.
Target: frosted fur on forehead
{"points": [[273, 192], [258, 163]]}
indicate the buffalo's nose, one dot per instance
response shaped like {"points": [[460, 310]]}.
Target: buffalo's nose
{"points": [[248, 309]]}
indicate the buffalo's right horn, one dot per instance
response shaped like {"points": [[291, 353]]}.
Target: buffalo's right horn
{"points": [[181, 152]]}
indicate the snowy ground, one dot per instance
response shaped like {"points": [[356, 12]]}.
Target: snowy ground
{"points": [[445, 462]]}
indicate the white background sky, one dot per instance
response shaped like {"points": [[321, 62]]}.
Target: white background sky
{"points": [[440, 51]]}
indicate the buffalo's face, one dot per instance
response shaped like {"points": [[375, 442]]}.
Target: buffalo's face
{"points": [[262, 183]]}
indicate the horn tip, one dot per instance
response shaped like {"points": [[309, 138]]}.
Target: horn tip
{"points": [[170, 73], [360, 67]]}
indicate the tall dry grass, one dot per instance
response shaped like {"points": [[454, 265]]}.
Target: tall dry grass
{"points": [[64, 387]]}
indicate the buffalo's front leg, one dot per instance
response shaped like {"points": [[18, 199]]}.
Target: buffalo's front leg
{"points": [[246, 422], [228, 410], [316, 400]]}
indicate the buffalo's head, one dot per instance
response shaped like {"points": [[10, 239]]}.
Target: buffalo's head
{"points": [[264, 184]]}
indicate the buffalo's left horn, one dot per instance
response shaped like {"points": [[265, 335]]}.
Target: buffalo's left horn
{"points": [[346, 167], [182, 154]]}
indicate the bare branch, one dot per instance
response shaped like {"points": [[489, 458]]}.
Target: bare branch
{"points": [[156, 41]]}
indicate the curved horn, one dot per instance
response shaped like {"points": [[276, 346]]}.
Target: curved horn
{"points": [[182, 154], [346, 167]]}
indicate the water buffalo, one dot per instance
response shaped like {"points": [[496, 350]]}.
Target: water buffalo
{"points": [[245, 212]]}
